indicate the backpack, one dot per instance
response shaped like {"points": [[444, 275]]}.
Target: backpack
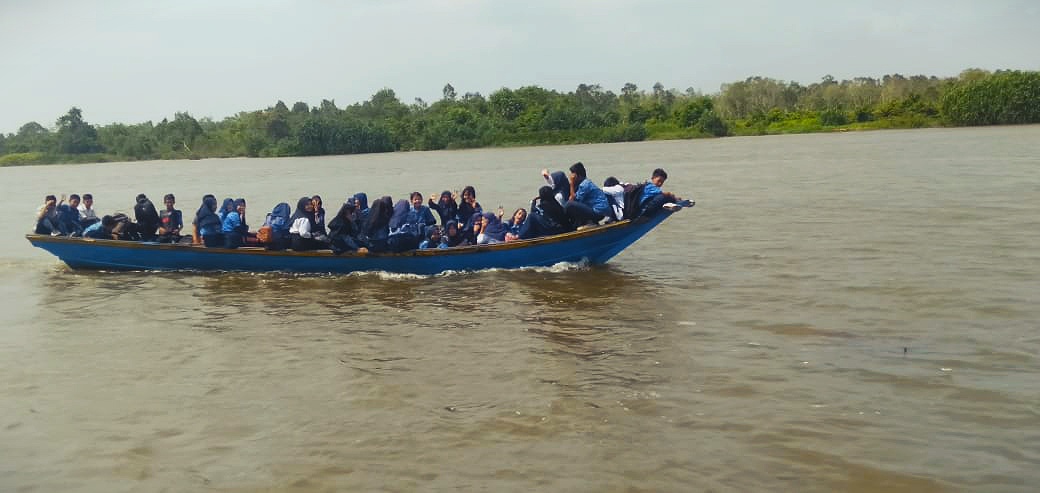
{"points": [[633, 197], [278, 219], [276, 226]]}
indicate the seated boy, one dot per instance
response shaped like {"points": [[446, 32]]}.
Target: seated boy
{"points": [[47, 217], [170, 221], [653, 197], [86, 210]]}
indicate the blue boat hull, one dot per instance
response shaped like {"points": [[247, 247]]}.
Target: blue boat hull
{"points": [[595, 245]]}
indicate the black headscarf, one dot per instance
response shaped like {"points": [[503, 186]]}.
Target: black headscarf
{"points": [[379, 215], [207, 213], [400, 215], [343, 223], [361, 200], [456, 239], [561, 184], [550, 208], [301, 211]]}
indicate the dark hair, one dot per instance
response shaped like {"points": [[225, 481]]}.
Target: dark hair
{"points": [[73, 197], [471, 190], [611, 181], [579, 169], [318, 198], [50, 197], [239, 202], [412, 196], [108, 221], [88, 196], [141, 197], [168, 196], [659, 172]]}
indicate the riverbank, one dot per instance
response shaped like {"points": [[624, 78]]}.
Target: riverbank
{"points": [[649, 132]]}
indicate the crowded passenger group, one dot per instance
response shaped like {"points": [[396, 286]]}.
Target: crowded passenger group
{"points": [[564, 203]]}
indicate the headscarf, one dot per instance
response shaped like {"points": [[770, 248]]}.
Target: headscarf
{"points": [[343, 223], [207, 213], [379, 215], [301, 211], [361, 200], [494, 229], [457, 238], [400, 215], [226, 207], [560, 184], [548, 204]]}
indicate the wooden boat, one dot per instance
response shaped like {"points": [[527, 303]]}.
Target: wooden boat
{"points": [[594, 245]]}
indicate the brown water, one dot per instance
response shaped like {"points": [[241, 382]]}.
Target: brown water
{"points": [[847, 312]]}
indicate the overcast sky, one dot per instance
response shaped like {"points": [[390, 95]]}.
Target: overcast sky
{"points": [[133, 61]]}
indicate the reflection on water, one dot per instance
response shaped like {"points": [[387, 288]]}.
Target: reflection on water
{"points": [[839, 313]]}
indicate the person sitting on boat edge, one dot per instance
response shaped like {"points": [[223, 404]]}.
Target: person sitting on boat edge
{"points": [[587, 204], [87, 216], [207, 223], [47, 217], [557, 180], [653, 196], [445, 206], [171, 221], [68, 217], [302, 234], [547, 216], [234, 227], [343, 230]]}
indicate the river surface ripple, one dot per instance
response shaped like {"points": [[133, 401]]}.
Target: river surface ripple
{"points": [[841, 312]]}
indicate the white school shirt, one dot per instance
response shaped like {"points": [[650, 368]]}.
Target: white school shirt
{"points": [[618, 192], [302, 227], [85, 213]]}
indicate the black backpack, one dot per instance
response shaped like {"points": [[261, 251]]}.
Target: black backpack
{"points": [[633, 197]]}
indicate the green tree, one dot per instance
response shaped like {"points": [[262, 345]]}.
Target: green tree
{"points": [[76, 136]]}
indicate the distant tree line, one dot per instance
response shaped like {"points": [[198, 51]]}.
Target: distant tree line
{"points": [[532, 115]]}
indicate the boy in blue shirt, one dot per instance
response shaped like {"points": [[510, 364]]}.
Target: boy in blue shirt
{"points": [[653, 197], [587, 204]]}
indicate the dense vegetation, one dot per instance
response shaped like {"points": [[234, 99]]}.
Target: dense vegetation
{"points": [[533, 115]]}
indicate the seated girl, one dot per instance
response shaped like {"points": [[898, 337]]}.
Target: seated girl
{"points": [[404, 235], [208, 224], [547, 216], [433, 239], [446, 207], [343, 230], [491, 230], [302, 234], [515, 223], [234, 226], [469, 205], [376, 230], [452, 236]]}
